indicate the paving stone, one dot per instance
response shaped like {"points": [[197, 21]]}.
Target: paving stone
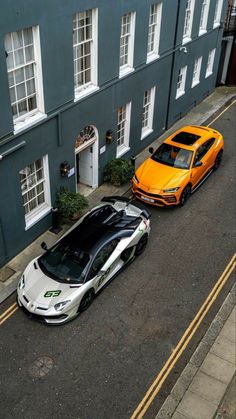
{"points": [[229, 331], [217, 368], [208, 388], [178, 415], [224, 349], [232, 317], [195, 407]]}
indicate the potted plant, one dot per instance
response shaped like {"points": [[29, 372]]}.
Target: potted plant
{"points": [[118, 171], [70, 204]]}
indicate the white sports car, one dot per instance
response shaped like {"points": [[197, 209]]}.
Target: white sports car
{"points": [[62, 282]]}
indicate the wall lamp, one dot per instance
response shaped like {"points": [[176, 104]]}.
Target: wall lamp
{"points": [[64, 168], [109, 136], [184, 49]]}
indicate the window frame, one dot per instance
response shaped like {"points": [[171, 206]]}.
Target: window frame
{"points": [[41, 210], [188, 21], [180, 91], [196, 71], [29, 118], [210, 62], [128, 66], [92, 85], [154, 31], [204, 17], [124, 146], [148, 128], [218, 13]]}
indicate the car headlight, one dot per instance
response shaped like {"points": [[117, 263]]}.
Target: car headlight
{"points": [[171, 190], [61, 305], [21, 284], [135, 179]]}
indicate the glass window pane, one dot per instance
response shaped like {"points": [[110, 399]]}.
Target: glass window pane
{"points": [[12, 94], [14, 111], [29, 71], [19, 57], [29, 53], [8, 42], [19, 75], [17, 39], [10, 61], [32, 103], [28, 36], [20, 91], [30, 87], [41, 199], [11, 79], [22, 106]]}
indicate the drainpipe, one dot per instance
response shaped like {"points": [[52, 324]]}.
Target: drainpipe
{"points": [[172, 65]]}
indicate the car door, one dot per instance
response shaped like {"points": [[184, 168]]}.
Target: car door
{"points": [[202, 161], [104, 258]]}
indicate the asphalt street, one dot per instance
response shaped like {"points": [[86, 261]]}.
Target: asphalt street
{"points": [[101, 364]]}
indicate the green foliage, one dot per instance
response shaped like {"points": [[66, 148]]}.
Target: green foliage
{"points": [[118, 171], [69, 203]]}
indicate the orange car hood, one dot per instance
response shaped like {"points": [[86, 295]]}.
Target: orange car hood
{"points": [[160, 176]]}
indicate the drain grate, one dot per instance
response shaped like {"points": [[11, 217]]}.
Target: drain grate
{"points": [[6, 273], [41, 367]]}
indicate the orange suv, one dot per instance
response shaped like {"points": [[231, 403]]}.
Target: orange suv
{"points": [[179, 166]]}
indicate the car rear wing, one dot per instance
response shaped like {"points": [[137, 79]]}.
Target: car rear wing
{"points": [[112, 199]]}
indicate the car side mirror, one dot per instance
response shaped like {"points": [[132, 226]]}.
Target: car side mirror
{"points": [[197, 164], [151, 150], [44, 246]]}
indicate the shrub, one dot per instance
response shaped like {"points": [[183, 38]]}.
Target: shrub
{"points": [[69, 203], [118, 171]]}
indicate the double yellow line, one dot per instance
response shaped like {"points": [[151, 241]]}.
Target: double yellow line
{"points": [[187, 336], [8, 313]]}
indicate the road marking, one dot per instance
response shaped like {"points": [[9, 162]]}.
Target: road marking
{"points": [[222, 112], [8, 313], [182, 344]]}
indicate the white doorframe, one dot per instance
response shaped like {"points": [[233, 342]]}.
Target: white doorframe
{"points": [[93, 143]]}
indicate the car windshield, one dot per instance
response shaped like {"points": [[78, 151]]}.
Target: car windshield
{"points": [[173, 156], [65, 262]]}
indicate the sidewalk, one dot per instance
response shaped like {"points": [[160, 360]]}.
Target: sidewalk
{"points": [[206, 388]]}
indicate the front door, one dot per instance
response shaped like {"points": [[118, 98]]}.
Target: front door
{"points": [[85, 166]]}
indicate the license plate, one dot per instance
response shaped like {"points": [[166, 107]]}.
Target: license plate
{"points": [[147, 199]]}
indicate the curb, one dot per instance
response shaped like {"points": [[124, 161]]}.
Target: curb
{"points": [[172, 401]]}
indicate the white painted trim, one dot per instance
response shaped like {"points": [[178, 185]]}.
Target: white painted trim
{"points": [[125, 71], [29, 120], [151, 57], [95, 144], [146, 132], [41, 211], [181, 91], [122, 149], [38, 70], [149, 129], [87, 90], [128, 68]]}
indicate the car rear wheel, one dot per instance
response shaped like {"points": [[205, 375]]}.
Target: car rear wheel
{"points": [[218, 160], [141, 246], [86, 300], [185, 195]]}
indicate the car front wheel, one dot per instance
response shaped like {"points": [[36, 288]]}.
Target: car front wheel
{"points": [[218, 160], [141, 246], [86, 300], [185, 195]]}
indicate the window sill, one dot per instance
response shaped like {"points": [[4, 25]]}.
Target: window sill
{"points": [[152, 57], [122, 151], [125, 71], [146, 132], [179, 94], [202, 32], [79, 94], [39, 215], [208, 74], [186, 40], [28, 121], [216, 25], [195, 83]]}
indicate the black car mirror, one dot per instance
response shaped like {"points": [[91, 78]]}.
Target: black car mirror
{"points": [[151, 150], [44, 246], [197, 164]]}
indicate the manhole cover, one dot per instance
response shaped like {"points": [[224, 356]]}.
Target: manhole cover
{"points": [[6, 273], [41, 367]]}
